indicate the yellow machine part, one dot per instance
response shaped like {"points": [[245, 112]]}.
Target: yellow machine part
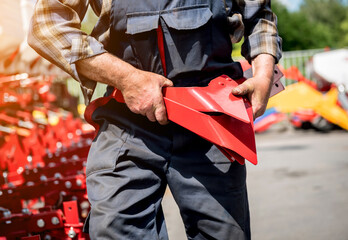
{"points": [[301, 96], [296, 96], [329, 109]]}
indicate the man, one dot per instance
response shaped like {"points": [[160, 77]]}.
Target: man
{"points": [[139, 47]]}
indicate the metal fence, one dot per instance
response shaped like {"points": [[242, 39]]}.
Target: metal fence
{"points": [[299, 59]]}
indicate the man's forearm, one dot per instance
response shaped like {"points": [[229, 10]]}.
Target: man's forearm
{"points": [[263, 70], [263, 66], [105, 68], [142, 90]]}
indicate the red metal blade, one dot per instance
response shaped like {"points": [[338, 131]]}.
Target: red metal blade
{"points": [[232, 156], [215, 98], [232, 130], [224, 131]]}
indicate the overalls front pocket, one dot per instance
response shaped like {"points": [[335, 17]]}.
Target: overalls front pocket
{"points": [[186, 35]]}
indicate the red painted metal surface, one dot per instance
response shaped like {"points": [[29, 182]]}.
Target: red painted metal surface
{"points": [[15, 226], [160, 45], [36, 237], [43, 154], [215, 114], [266, 123], [71, 212]]}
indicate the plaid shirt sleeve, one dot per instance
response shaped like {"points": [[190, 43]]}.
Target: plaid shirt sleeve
{"points": [[255, 20], [55, 34]]}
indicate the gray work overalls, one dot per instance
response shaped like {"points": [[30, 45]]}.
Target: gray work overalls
{"points": [[132, 160]]}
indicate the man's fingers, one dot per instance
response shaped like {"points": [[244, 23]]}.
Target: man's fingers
{"points": [[167, 83], [144, 95], [243, 89], [161, 114], [157, 113], [151, 116], [247, 89], [257, 112], [160, 109]]}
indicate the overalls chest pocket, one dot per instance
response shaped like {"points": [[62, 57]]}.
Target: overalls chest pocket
{"points": [[186, 35]]}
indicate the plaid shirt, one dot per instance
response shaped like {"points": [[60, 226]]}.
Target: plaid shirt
{"points": [[55, 32]]}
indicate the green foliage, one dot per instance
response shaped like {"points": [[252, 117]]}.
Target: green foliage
{"points": [[315, 25], [237, 48], [329, 13], [89, 21], [344, 28]]}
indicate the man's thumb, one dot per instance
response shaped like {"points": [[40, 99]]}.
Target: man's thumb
{"points": [[241, 89]]}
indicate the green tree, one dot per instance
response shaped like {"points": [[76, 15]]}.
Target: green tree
{"points": [[344, 28], [327, 15], [307, 28]]}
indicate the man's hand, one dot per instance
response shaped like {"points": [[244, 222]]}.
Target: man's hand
{"points": [[142, 91], [258, 88]]}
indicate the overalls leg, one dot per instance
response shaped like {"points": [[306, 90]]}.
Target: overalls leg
{"points": [[126, 176], [209, 190]]}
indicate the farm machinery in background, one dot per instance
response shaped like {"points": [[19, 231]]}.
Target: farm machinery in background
{"points": [[43, 151], [319, 103], [43, 148]]}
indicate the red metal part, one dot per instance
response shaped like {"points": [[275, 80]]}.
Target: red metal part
{"points": [[19, 152], [64, 167], [48, 223], [294, 73], [300, 117], [71, 212], [230, 131], [51, 189], [160, 43], [73, 226], [215, 114], [10, 98], [20, 224], [36, 237], [42, 163], [266, 123], [216, 98]]}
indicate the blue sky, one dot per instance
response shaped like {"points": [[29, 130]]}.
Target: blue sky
{"points": [[292, 5]]}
